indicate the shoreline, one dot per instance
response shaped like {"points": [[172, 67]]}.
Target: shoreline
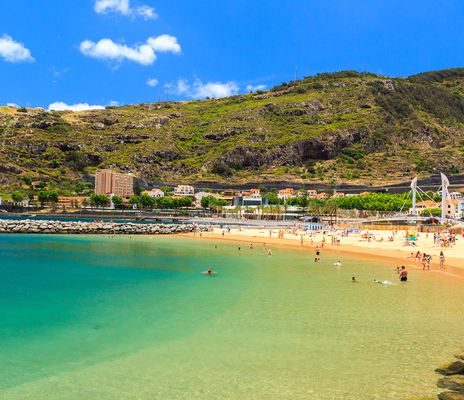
{"points": [[454, 266]]}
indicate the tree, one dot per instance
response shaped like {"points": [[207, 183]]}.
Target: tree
{"points": [[436, 212], [53, 196], [17, 197], [208, 201], [47, 196], [137, 186], [272, 198], [117, 201], [26, 180], [166, 189], [134, 199], [182, 202], [164, 202], [146, 201], [99, 200]]}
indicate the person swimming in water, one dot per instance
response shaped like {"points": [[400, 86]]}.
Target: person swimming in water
{"points": [[382, 282], [353, 279], [210, 271], [337, 264]]}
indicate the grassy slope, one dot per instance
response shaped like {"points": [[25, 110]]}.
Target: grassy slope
{"points": [[332, 128]]}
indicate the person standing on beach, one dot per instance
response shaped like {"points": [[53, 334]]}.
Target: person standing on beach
{"points": [[442, 260]]}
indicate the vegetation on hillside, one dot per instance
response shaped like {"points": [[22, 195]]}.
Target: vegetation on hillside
{"points": [[332, 128]]}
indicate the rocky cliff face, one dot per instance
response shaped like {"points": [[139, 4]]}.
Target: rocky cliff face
{"points": [[336, 127]]}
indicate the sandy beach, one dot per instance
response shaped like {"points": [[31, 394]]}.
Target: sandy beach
{"points": [[355, 244]]}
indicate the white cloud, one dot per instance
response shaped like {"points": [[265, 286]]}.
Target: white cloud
{"points": [[13, 51], [146, 12], [254, 88], [61, 106], [200, 90], [106, 49], [123, 7], [214, 89], [180, 87], [164, 44], [114, 103], [152, 82], [13, 105]]}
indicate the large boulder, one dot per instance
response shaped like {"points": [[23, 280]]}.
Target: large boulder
{"points": [[451, 396], [456, 367], [454, 382]]}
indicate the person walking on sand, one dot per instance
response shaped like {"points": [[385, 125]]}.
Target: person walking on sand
{"points": [[403, 274], [442, 260], [424, 260]]}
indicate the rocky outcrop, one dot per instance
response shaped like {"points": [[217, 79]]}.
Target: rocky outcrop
{"points": [[326, 147], [451, 396], [456, 367], [105, 228], [453, 380]]}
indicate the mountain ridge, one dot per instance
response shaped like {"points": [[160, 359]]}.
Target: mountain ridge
{"points": [[332, 128]]}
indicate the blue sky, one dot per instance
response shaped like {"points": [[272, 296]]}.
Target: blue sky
{"points": [[103, 52]]}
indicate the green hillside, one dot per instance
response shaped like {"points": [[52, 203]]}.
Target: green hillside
{"points": [[333, 128]]}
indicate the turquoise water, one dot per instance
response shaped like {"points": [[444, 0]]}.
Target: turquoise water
{"points": [[84, 317]]}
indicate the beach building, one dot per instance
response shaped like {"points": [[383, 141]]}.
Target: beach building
{"points": [[337, 195], [154, 192], [184, 190], [424, 205], [322, 196], [454, 209], [72, 201], [312, 193], [251, 198], [455, 195], [111, 182], [285, 194]]}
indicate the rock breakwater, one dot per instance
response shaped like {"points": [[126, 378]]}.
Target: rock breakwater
{"points": [[105, 228]]}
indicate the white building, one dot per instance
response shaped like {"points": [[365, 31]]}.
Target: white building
{"points": [[155, 192], [454, 209], [200, 195], [184, 190]]}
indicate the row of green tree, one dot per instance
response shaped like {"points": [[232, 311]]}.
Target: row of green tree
{"points": [[371, 201], [43, 196], [142, 201]]}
